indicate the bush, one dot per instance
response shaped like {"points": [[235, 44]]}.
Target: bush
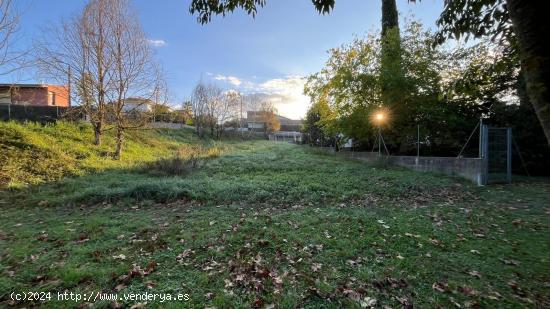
{"points": [[186, 160], [175, 166]]}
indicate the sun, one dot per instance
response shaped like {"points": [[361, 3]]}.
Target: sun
{"points": [[380, 116]]}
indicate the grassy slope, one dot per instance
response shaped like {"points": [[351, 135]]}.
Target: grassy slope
{"points": [[34, 154], [275, 223]]}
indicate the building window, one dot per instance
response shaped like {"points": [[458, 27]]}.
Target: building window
{"points": [[51, 98], [5, 96]]}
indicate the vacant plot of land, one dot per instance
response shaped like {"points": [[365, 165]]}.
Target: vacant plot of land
{"points": [[257, 224]]}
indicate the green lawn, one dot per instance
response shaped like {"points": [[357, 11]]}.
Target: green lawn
{"points": [[261, 224]]}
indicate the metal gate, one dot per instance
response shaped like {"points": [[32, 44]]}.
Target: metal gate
{"points": [[496, 151]]}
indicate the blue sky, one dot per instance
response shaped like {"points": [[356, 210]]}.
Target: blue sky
{"points": [[270, 54]]}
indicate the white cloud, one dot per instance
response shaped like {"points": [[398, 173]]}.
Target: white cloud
{"points": [[230, 79], [285, 93], [157, 43]]}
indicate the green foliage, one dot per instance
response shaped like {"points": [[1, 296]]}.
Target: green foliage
{"points": [[318, 124], [206, 8], [444, 90], [477, 18], [353, 80], [390, 17]]}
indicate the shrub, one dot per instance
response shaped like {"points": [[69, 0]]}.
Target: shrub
{"points": [[175, 166], [187, 159]]}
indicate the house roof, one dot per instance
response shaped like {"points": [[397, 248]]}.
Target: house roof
{"points": [[135, 100]]}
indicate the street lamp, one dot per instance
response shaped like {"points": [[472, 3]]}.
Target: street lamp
{"points": [[380, 117]]}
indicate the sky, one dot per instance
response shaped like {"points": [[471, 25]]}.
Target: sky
{"points": [[269, 55]]}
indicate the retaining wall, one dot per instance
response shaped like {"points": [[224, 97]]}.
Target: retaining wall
{"points": [[469, 168]]}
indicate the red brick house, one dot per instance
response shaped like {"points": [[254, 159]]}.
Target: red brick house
{"points": [[35, 95]]}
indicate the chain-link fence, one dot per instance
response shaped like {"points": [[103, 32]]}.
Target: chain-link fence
{"points": [[497, 154]]}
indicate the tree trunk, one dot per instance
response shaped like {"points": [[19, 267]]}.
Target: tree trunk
{"points": [[97, 134], [531, 26], [119, 142]]}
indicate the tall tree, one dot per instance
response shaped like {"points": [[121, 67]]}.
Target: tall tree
{"points": [[478, 17], [531, 29], [109, 59], [391, 75], [79, 46], [390, 16], [518, 24], [134, 72], [10, 59]]}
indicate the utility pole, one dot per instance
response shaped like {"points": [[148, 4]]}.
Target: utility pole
{"points": [[69, 83], [480, 136], [241, 117], [379, 141]]}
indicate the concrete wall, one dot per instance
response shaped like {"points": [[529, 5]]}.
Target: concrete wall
{"points": [[469, 168], [169, 125]]}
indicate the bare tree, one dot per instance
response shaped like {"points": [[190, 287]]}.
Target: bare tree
{"points": [[199, 102], [227, 109], [134, 72], [213, 107], [76, 52], [215, 96], [104, 53], [11, 59]]}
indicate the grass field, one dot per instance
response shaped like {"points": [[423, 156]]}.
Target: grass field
{"points": [[260, 224]]}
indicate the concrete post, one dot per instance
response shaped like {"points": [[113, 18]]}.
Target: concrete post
{"points": [[379, 142], [509, 155], [418, 140], [484, 150]]}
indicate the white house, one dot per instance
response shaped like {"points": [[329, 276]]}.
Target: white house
{"points": [[137, 105]]}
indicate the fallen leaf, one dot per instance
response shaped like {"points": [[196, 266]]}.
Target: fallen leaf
{"points": [[120, 287], [510, 262], [186, 253], [441, 287], [468, 290], [316, 267], [139, 305], [368, 302], [474, 273], [228, 283]]}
